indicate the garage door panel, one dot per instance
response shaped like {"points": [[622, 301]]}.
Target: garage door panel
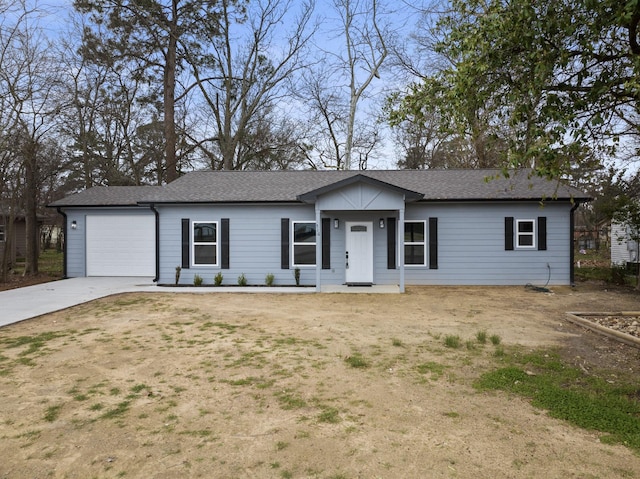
{"points": [[120, 245]]}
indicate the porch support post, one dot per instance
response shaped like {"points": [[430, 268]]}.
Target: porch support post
{"points": [[400, 251], [318, 248]]}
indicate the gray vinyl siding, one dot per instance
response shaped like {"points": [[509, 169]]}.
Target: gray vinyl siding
{"points": [[471, 245], [254, 243]]}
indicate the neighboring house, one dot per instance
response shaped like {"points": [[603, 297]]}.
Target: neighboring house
{"points": [[624, 250], [337, 227]]}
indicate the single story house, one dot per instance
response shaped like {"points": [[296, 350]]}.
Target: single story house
{"points": [[426, 227]]}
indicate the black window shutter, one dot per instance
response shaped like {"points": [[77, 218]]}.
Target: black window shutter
{"points": [[185, 242], [391, 243], [542, 233], [326, 243], [284, 243], [508, 233], [433, 243], [224, 243]]}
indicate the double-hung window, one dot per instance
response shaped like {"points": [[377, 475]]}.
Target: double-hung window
{"points": [[205, 243], [525, 233], [415, 246], [304, 243]]}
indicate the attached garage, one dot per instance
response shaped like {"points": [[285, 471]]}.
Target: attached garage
{"points": [[120, 245]]}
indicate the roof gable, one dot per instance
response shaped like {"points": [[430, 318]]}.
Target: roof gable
{"points": [[313, 195]]}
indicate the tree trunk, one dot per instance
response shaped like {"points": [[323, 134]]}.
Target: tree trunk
{"points": [[32, 236], [169, 102]]}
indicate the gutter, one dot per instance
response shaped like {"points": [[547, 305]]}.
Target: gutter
{"points": [[64, 244], [157, 214]]}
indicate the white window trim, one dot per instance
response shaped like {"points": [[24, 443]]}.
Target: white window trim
{"points": [[413, 243], [294, 244], [199, 243], [532, 234]]}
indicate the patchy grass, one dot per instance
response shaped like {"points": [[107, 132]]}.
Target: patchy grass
{"points": [[452, 341], [356, 360], [568, 393], [321, 391]]}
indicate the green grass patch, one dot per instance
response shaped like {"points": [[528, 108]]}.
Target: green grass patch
{"points": [[35, 343], [356, 360], [117, 411], [568, 393], [436, 369], [52, 413], [329, 415], [289, 401], [452, 341]]}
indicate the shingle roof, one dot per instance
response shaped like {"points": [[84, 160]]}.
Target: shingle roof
{"points": [[287, 186], [107, 196]]}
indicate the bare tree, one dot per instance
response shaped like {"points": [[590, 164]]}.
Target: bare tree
{"points": [[245, 74], [29, 79], [353, 55]]}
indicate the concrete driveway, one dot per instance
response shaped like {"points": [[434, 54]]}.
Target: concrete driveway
{"points": [[25, 303]]}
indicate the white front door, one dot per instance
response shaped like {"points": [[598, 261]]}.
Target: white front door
{"points": [[359, 254]]}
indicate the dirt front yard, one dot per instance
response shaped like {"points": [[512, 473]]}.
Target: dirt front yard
{"points": [[299, 386]]}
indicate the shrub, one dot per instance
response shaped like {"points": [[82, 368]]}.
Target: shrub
{"points": [[242, 280], [618, 275], [197, 280], [217, 279], [178, 270], [296, 275], [268, 280]]}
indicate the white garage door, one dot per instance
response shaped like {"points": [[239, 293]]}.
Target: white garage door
{"points": [[121, 245]]}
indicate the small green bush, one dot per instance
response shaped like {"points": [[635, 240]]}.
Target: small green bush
{"points": [[178, 270], [268, 280], [242, 280], [296, 275], [217, 279], [481, 336], [197, 280]]}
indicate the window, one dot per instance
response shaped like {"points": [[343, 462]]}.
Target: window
{"points": [[205, 243], [1, 233], [304, 243], [525, 233], [414, 243]]}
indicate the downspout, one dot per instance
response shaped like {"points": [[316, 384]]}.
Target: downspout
{"points": [[64, 243], [318, 248], [400, 251], [572, 244], [155, 212]]}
